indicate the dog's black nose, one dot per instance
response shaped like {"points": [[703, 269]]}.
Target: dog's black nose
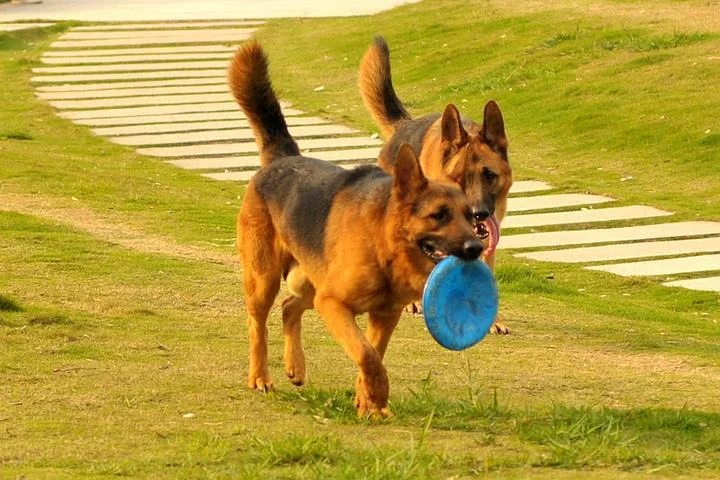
{"points": [[480, 213], [472, 249]]}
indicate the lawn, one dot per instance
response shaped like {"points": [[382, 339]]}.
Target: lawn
{"points": [[122, 327]]}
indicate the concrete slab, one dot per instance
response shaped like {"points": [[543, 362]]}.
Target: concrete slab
{"points": [[163, 118], [543, 202], [155, 33], [219, 149], [104, 52], [670, 266], [195, 126], [627, 250], [225, 135], [134, 92], [169, 10], [135, 58], [146, 100], [168, 25], [606, 235], [13, 27], [708, 284], [133, 67], [180, 82], [161, 110], [582, 216], [527, 186], [102, 77], [247, 161], [135, 41]]}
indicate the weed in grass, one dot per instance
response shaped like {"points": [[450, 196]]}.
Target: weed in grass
{"points": [[49, 319], [15, 136], [7, 304]]}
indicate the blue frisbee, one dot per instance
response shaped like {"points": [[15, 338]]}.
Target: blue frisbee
{"points": [[460, 302]]}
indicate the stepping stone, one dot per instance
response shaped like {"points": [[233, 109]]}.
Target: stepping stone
{"points": [[582, 216], [98, 77], [195, 126], [709, 284], [163, 118], [133, 67], [153, 40], [161, 110], [100, 87], [141, 101], [544, 202], [250, 147], [12, 27], [138, 37], [702, 263], [254, 160], [137, 51], [222, 135], [627, 250], [158, 26], [135, 58], [527, 186], [603, 235], [135, 92]]}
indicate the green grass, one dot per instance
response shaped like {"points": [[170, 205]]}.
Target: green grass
{"points": [[121, 307]]}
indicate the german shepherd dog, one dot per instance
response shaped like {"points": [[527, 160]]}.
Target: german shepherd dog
{"points": [[346, 241], [452, 149]]}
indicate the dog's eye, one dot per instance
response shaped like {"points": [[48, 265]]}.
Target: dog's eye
{"points": [[441, 215], [489, 175]]}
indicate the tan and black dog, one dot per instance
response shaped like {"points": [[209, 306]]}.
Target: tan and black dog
{"points": [[451, 149], [347, 241]]}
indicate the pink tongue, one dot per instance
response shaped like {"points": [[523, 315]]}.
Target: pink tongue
{"points": [[494, 237]]}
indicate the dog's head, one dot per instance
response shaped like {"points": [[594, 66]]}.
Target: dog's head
{"points": [[434, 218], [476, 159]]}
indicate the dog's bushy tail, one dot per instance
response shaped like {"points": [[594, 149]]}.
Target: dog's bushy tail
{"points": [[250, 84], [377, 89]]}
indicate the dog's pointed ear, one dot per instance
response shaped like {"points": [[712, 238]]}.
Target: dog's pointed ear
{"points": [[408, 176], [493, 129], [453, 133]]}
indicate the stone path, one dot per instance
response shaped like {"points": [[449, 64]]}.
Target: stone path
{"points": [[161, 88]]}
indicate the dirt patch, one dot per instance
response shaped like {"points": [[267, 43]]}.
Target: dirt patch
{"points": [[105, 228]]}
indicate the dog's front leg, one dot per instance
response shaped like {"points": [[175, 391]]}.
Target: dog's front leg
{"points": [[498, 327], [372, 386]]}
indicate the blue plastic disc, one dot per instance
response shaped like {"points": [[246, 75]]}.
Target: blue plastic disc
{"points": [[460, 302]]}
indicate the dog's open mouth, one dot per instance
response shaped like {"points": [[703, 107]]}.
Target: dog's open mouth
{"points": [[434, 253], [481, 230]]}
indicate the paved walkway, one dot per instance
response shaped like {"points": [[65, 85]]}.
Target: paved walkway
{"points": [[161, 88]]}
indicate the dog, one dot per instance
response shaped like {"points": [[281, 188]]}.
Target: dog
{"points": [[346, 241], [452, 149]]}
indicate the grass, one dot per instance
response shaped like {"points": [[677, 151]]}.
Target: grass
{"points": [[121, 309]]}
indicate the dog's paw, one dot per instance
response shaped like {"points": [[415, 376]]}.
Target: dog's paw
{"points": [[414, 308], [262, 383], [296, 376], [499, 328]]}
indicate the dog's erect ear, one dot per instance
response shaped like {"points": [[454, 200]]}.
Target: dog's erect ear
{"points": [[409, 178], [493, 129], [453, 133]]}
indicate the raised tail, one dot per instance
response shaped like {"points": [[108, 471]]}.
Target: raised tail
{"points": [[377, 89], [250, 84]]}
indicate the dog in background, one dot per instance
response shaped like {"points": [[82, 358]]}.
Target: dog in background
{"points": [[346, 241], [451, 149]]}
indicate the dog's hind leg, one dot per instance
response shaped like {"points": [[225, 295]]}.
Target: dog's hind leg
{"points": [[262, 271], [301, 299]]}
